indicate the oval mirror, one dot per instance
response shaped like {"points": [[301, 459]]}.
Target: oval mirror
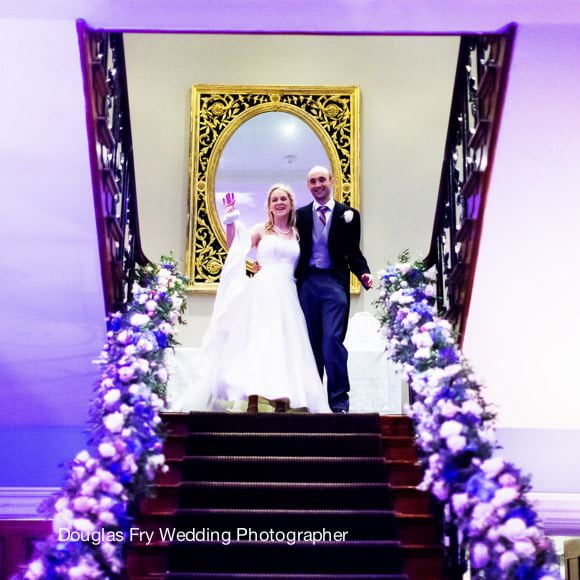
{"points": [[269, 148]]}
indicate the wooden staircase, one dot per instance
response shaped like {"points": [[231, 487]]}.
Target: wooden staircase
{"points": [[288, 472]]}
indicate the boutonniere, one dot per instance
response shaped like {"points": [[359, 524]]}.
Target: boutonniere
{"points": [[347, 216]]}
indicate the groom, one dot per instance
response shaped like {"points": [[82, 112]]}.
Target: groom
{"points": [[329, 250]]}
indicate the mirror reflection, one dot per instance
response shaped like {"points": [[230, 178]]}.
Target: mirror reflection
{"points": [[269, 148]]}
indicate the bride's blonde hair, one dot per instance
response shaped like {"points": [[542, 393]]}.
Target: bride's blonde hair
{"points": [[269, 226]]}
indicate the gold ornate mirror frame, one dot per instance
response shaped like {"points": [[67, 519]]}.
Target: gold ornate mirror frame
{"points": [[217, 112]]}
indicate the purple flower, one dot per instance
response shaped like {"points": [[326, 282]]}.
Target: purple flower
{"points": [[523, 513], [480, 487], [447, 356]]}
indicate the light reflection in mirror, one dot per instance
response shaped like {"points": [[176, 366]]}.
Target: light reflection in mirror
{"points": [[269, 148]]}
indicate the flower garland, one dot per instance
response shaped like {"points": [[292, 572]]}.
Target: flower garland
{"points": [[125, 448], [485, 495]]}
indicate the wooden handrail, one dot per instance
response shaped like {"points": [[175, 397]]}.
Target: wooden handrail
{"points": [[476, 106], [111, 159]]}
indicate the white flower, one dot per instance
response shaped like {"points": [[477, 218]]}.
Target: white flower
{"points": [[452, 370], [61, 503], [112, 397], [479, 555], [507, 560], [440, 490], [161, 375], [84, 504], [107, 518], [422, 340], [450, 428], [493, 534], [116, 488], [107, 383], [151, 306], [106, 502], [472, 407], [108, 549], [448, 408], [124, 337], [114, 422], [514, 529], [493, 466], [507, 480], [481, 514], [126, 373], [107, 450], [165, 328], [62, 520], [139, 319], [129, 464], [504, 495], [348, 215], [83, 456], [430, 290], [142, 364], [144, 345], [35, 570], [456, 443], [524, 548], [423, 353], [130, 349], [83, 570], [459, 501], [83, 525], [156, 460]]}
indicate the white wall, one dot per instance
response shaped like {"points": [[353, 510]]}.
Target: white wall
{"points": [[525, 312], [406, 86]]}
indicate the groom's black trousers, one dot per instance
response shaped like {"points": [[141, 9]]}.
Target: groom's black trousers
{"points": [[325, 305]]}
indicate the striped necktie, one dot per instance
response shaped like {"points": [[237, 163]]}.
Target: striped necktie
{"points": [[322, 214]]}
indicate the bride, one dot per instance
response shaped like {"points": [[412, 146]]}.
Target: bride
{"points": [[257, 343]]}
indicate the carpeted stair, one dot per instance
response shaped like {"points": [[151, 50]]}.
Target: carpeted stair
{"points": [[277, 478]]}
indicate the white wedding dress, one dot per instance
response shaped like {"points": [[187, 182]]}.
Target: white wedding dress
{"points": [[257, 342]]}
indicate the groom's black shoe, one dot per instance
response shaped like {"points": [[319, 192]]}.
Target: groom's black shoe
{"points": [[340, 411]]}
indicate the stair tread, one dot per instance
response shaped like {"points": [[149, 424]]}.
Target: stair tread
{"points": [[282, 511], [294, 484], [351, 490], [272, 576], [283, 458], [284, 434], [303, 544]]}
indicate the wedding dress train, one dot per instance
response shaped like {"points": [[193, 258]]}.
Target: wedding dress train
{"points": [[257, 342]]}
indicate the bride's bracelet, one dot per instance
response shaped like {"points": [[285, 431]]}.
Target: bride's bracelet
{"points": [[231, 217]]}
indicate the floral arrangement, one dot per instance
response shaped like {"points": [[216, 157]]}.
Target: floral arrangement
{"points": [[484, 495], [125, 449]]}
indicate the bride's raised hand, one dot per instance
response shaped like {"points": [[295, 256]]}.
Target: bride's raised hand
{"points": [[229, 201]]}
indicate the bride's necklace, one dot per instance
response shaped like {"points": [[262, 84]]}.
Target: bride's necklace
{"points": [[281, 232]]}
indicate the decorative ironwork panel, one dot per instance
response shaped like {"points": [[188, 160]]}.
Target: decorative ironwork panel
{"points": [[111, 156], [474, 121], [332, 113]]}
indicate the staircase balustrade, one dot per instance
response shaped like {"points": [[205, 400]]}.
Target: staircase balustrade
{"points": [[111, 158], [478, 91], [480, 84]]}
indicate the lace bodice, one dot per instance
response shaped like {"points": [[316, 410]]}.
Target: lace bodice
{"points": [[278, 254]]}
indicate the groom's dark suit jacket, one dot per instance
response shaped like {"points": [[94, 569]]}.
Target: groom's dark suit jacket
{"points": [[343, 244]]}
